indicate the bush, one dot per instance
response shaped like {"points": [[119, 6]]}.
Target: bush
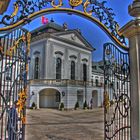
{"points": [[62, 106], [85, 105], [76, 105], [33, 105]]}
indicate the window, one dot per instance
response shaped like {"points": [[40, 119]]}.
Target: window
{"points": [[96, 81], [102, 80], [36, 68], [94, 67], [58, 68], [84, 72], [72, 70]]}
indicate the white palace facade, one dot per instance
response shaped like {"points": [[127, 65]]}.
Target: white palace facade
{"points": [[61, 69]]}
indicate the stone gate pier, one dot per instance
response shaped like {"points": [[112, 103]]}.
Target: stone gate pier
{"points": [[132, 31]]}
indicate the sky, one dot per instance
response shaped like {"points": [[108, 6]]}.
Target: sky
{"points": [[94, 35]]}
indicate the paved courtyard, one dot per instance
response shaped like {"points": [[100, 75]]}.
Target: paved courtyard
{"points": [[49, 124]]}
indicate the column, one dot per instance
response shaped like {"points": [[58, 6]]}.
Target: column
{"points": [[132, 31]]}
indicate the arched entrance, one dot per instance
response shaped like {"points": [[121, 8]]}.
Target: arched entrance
{"points": [[95, 98], [80, 97], [49, 98]]}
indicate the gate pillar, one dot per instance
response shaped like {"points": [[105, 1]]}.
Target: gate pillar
{"points": [[132, 31]]}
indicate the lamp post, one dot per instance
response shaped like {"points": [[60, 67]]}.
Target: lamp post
{"points": [[3, 6]]}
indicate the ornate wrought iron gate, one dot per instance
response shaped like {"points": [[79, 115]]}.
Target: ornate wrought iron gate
{"points": [[117, 93], [14, 49]]}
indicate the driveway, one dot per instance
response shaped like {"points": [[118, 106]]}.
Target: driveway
{"points": [[51, 124]]}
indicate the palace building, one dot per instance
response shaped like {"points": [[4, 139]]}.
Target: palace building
{"points": [[60, 68]]}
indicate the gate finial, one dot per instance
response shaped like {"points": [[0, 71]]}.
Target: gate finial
{"points": [[134, 9]]}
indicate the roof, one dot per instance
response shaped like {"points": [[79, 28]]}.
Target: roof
{"points": [[98, 67], [78, 34], [55, 31], [51, 25]]}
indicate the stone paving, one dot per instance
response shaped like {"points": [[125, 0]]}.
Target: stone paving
{"points": [[51, 124]]}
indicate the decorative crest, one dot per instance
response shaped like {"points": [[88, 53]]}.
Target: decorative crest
{"points": [[75, 3]]}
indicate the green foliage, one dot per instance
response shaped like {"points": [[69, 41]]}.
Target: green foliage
{"points": [[76, 105], [85, 104], [33, 105], [61, 106]]}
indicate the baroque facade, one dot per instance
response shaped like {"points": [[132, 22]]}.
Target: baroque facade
{"points": [[60, 68]]}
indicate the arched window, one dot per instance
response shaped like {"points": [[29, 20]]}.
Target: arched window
{"points": [[84, 72], [36, 68], [58, 68], [72, 70], [97, 82]]}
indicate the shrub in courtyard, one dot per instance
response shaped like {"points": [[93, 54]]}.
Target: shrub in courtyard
{"points": [[76, 105], [85, 105], [61, 106], [33, 106]]}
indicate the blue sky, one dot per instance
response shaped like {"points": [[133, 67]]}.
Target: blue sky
{"points": [[95, 36]]}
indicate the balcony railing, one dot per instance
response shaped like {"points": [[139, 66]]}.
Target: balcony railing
{"points": [[64, 82]]}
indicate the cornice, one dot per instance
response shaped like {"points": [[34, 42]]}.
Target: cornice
{"points": [[131, 29]]}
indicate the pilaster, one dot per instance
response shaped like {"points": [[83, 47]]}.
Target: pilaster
{"points": [[132, 31]]}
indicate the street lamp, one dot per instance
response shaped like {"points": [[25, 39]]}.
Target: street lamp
{"points": [[3, 6]]}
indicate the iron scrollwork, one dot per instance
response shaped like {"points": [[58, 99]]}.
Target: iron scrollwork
{"points": [[14, 50], [117, 93], [24, 8]]}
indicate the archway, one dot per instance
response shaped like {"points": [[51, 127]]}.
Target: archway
{"points": [[95, 98], [80, 97], [49, 98]]}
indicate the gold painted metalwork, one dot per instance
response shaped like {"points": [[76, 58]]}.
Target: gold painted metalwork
{"points": [[77, 12], [16, 8], [12, 50], [1, 49], [22, 96], [86, 5], [56, 6], [75, 3], [28, 48], [117, 29], [106, 101]]}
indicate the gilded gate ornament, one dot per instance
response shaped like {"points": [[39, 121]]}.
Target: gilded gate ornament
{"points": [[75, 3], [86, 5], [16, 8], [26, 10], [106, 101], [56, 6]]}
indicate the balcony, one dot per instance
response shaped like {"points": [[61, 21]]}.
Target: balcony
{"points": [[63, 82]]}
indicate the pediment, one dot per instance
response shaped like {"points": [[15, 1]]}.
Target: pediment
{"points": [[74, 36]]}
